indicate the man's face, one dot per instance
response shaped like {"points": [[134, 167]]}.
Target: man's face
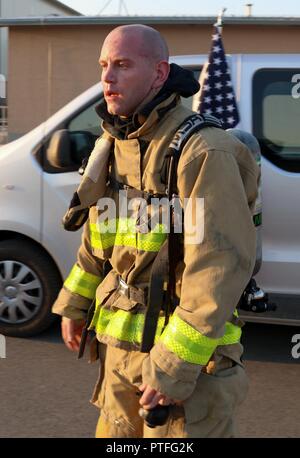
{"points": [[127, 75]]}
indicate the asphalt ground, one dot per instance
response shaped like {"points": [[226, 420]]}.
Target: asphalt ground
{"points": [[45, 390]]}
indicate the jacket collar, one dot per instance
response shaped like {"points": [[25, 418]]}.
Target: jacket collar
{"points": [[143, 125]]}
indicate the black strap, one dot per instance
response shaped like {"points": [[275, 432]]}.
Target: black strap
{"points": [[155, 297], [190, 125], [85, 330], [166, 260], [173, 249]]}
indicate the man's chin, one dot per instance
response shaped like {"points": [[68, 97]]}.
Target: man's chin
{"points": [[114, 111], [110, 110], [117, 110], [119, 113]]}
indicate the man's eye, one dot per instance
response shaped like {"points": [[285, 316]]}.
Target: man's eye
{"points": [[122, 64]]}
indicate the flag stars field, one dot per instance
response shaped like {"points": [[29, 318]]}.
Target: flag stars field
{"points": [[216, 95]]}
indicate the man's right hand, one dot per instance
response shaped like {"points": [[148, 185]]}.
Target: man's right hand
{"points": [[71, 332]]}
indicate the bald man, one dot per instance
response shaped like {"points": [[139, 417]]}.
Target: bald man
{"points": [[134, 62], [195, 365]]}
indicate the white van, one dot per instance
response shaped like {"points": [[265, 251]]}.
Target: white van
{"points": [[36, 253]]}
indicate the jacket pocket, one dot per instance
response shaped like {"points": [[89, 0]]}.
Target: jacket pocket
{"points": [[114, 300], [107, 287], [109, 295], [216, 396], [119, 301]]}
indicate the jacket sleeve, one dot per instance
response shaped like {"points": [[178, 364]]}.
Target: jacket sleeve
{"points": [[80, 286], [218, 266]]}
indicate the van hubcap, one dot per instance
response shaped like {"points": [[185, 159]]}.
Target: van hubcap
{"points": [[21, 292], [11, 292]]}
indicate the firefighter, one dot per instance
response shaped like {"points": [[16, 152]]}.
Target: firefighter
{"points": [[194, 366]]}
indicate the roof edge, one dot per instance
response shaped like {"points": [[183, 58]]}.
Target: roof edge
{"points": [[168, 20]]}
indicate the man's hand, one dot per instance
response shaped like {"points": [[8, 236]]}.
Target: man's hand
{"points": [[71, 332], [150, 398]]}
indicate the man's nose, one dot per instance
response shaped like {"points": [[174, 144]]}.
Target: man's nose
{"points": [[108, 74]]}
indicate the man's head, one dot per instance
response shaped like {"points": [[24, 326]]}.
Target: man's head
{"points": [[134, 62]]}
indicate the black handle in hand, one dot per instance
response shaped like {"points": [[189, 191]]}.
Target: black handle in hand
{"points": [[85, 330], [157, 416], [83, 339]]}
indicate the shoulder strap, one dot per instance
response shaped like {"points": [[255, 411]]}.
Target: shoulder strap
{"points": [[190, 126], [166, 260]]}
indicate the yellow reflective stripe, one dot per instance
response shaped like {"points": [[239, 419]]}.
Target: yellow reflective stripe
{"points": [[179, 337], [102, 241], [153, 240], [122, 232], [122, 325], [82, 283], [103, 235], [190, 345], [232, 334], [126, 240]]}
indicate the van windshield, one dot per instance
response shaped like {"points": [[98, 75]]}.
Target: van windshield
{"points": [[276, 114]]}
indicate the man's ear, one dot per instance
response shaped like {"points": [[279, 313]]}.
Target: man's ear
{"points": [[162, 71]]}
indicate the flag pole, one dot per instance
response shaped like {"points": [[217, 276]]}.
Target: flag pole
{"points": [[219, 22], [216, 96]]}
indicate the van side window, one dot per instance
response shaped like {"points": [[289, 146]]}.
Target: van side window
{"points": [[276, 115], [87, 120], [83, 128]]}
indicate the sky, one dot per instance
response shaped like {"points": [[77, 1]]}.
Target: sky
{"points": [[185, 8]]}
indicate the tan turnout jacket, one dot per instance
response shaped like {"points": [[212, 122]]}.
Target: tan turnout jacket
{"points": [[214, 166]]}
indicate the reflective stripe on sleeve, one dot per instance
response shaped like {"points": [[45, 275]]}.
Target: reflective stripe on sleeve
{"points": [[190, 345], [82, 283]]}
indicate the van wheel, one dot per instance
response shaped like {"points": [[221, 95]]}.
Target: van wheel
{"points": [[29, 284]]}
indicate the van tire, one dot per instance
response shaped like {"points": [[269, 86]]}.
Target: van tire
{"points": [[39, 270]]}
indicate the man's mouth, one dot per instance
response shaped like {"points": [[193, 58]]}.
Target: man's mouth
{"points": [[111, 94]]}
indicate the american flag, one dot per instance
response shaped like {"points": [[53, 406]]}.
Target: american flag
{"points": [[216, 95]]}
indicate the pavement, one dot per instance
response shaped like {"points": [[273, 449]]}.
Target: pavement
{"points": [[45, 389]]}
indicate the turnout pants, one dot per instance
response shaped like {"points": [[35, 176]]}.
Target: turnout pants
{"points": [[208, 412]]}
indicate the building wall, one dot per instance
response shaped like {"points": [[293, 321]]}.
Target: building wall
{"points": [[50, 65], [24, 8]]}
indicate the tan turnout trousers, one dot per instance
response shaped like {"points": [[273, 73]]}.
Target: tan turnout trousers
{"points": [[208, 412]]}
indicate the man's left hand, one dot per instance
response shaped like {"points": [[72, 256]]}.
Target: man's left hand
{"points": [[150, 398]]}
